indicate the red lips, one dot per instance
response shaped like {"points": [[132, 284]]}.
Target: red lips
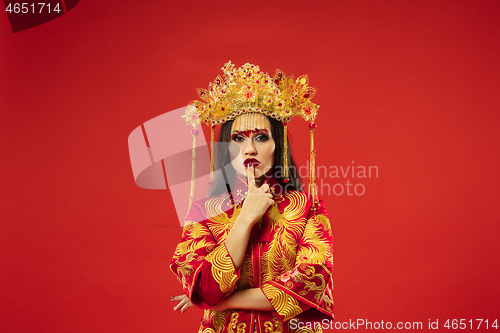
{"points": [[251, 162]]}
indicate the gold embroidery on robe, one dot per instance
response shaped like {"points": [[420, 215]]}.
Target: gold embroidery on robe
{"points": [[274, 326], [285, 305], [233, 324], [289, 256], [222, 268]]}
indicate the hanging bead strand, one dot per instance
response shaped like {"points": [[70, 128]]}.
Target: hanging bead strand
{"points": [[285, 153], [194, 133], [211, 181], [312, 168]]}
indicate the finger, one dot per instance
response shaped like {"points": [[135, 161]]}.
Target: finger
{"points": [[268, 195], [181, 303], [186, 306], [177, 298], [265, 188], [251, 175]]}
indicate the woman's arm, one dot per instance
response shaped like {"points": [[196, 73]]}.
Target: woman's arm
{"points": [[208, 276], [255, 205], [237, 239], [248, 299], [200, 261]]}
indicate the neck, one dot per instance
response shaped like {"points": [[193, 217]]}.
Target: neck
{"points": [[259, 181]]}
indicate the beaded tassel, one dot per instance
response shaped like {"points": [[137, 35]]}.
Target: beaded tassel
{"points": [[312, 168], [285, 153], [211, 181], [194, 132]]}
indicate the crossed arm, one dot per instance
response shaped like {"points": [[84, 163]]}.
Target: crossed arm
{"points": [[249, 299], [255, 205]]}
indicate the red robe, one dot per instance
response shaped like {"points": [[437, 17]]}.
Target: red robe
{"points": [[289, 256]]}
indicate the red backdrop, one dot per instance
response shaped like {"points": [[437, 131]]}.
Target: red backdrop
{"points": [[408, 86]]}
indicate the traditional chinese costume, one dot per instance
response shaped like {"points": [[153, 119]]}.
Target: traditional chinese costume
{"points": [[289, 256]]}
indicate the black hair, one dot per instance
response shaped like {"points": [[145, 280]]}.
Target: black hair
{"points": [[222, 158]]}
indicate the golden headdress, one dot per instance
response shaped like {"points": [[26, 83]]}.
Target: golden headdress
{"points": [[249, 90]]}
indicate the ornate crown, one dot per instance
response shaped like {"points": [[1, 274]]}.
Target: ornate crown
{"points": [[248, 89]]}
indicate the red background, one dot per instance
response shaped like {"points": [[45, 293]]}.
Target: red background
{"points": [[408, 86]]}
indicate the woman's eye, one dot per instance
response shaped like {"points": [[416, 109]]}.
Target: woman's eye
{"points": [[261, 137], [238, 138]]}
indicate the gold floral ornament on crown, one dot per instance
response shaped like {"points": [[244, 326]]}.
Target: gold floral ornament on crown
{"points": [[249, 90]]}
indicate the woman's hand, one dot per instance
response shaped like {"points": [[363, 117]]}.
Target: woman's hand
{"points": [[184, 303], [255, 205], [258, 199]]}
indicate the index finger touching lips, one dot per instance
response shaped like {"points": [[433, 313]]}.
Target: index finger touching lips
{"points": [[250, 175]]}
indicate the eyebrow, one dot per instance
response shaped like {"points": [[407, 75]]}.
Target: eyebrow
{"points": [[248, 132]]}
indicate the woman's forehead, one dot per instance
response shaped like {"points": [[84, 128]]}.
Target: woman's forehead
{"points": [[250, 122]]}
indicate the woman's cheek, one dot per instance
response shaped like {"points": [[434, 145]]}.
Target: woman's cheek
{"points": [[234, 150]]}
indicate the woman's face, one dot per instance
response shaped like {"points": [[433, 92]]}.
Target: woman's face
{"points": [[252, 146]]}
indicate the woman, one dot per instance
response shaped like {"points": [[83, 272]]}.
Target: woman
{"points": [[259, 255]]}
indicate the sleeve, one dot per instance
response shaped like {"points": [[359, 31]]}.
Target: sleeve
{"points": [[204, 268], [309, 284]]}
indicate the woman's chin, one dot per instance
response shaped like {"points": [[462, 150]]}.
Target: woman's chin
{"points": [[260, 174]]}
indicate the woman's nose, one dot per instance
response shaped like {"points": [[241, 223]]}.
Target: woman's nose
{"points": [[249, 148]]}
